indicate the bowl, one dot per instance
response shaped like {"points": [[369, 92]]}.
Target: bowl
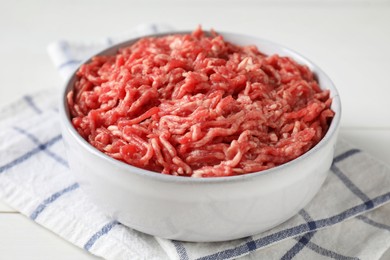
{"points": [[202, 209]]}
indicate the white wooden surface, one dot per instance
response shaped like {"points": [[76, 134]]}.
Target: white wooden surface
{"points": [[348, 39]]}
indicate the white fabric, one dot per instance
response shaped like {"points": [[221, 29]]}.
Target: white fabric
{"points": [[348, 218]]}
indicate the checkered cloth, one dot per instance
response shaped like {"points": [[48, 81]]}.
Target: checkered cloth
{"points": [[347, 219]]}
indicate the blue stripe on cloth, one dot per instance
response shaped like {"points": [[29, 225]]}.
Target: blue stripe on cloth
{"points": [[303, 240], [30, 101], [308, 219], [373, 223], [345, 155], [228, 253], [103, 231], [328, 253], [251, 244], [68, 62], [180, 249], [298, 230], [351, 186], [29, 154], [41, 207], [347, 182], [35, 140]]}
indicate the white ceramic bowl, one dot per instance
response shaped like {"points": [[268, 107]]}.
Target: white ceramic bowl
{"points": [[208, 209]]}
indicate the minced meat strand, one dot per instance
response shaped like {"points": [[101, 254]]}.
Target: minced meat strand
{"points": [[195, 105]]}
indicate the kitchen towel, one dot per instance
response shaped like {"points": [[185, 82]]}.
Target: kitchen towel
{"points": [[347, 219]]}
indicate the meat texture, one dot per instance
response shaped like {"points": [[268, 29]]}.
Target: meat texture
{"points": [[196, 105]]}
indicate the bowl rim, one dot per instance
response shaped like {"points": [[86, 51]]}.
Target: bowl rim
{"points": [[332, 130]]}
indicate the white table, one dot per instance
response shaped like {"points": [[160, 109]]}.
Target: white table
{"points": [[348, 39]]}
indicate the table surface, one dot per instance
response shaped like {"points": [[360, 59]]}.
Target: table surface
{"points": [[348, 39]]}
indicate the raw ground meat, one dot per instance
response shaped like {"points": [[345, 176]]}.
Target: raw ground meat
{"points": [[195, 105]]}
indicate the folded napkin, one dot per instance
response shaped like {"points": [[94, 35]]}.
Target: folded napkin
{"points": [[347, 219]]}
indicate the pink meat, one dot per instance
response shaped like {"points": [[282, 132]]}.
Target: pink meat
{"points": [[195, 105]]}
